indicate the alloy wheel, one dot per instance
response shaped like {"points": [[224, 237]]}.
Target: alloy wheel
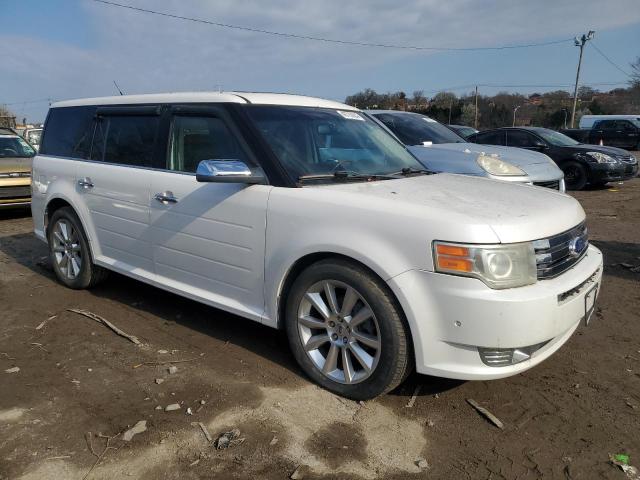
{"points": [[339, 332], [66, 248]]}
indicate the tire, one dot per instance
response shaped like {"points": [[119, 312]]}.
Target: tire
{"points": [[70, 253], [360, 361], [575, 175]]}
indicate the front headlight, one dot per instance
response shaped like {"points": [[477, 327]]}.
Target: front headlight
{"points": [[601, 157], [498, 266], [495, 166]]}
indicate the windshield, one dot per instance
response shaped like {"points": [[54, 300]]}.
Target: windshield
{"points": [[556, 138], [15, 147], [317, 141], [415, 129]]}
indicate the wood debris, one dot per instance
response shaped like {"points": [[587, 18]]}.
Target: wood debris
{"points": [[486, 413], [106, 323]]}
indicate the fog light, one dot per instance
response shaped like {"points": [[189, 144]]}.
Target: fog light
{"points": [[502, 357]]}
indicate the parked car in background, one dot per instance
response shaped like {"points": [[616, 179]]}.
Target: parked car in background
{"points": [[582, 164], [33, 135], [463, 130], [15, 169], [587, 121], [614, 132], [305, 214], [441, 150]]}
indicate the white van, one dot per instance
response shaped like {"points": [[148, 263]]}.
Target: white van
{"points": [[587, 121], [304, 214]]}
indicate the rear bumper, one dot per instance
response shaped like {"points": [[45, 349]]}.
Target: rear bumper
{"points": [[452, 317]]}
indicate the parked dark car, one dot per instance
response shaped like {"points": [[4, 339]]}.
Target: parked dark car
{"points": [[623, 133], [582, 164], [463, 130]]}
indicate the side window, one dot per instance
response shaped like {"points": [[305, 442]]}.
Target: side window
{"points": [[490, 138], [518, 138], [194, 139], [606, 124], [625, 125], [126, 140], [68, 132]]}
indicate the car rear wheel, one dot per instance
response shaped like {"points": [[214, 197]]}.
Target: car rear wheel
{"points": [[575, 175], [69, 251], [346, 330]]}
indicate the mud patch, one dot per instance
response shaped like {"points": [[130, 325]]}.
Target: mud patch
{"points": [[383, 442], [337, 444]]}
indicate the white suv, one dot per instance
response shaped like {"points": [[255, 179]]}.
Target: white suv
{"points": [[305, 215]]}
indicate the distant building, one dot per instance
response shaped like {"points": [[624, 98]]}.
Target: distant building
{"points": [[535, 99]]}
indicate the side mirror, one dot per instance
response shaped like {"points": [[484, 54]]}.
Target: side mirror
{"points": [[539, 145], [228, 171]]}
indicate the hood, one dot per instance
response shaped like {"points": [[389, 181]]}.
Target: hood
{"points": [[15, 164], [462, 208], [461, 158], [614, 151]]}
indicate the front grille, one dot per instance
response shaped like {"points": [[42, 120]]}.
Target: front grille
{"points": [[555, 184], [557, 254], [15, 192]]}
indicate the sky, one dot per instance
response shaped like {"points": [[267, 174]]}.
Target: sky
{"points": [[63, 49]]}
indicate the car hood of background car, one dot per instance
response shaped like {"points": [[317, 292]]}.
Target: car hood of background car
{"points": [[445, 202], [585, 147], [438, 157]]}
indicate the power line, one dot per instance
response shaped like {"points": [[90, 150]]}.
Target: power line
{"points": [[494, 85], [608, 59], [330, 40], [39, 100]]}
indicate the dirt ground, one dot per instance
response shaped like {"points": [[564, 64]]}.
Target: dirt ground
{"points": [[562, 419]]}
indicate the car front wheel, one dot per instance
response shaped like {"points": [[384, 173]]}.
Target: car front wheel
{"points": [[346, 331], [575, 175]]}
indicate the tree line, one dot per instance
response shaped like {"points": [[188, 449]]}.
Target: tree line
{"points": [[549, 109]]}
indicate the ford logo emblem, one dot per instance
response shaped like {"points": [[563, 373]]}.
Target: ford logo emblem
{"points": [[577, 246]]}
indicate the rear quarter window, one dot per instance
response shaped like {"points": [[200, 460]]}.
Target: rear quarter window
{"points": [[68, 132]]}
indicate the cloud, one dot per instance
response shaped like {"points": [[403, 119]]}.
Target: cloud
{"points": [[148, 53]]}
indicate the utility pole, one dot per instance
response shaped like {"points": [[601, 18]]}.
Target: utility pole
{"points": [[475, 123], [450, 107], [514, 114], [579, 42]]}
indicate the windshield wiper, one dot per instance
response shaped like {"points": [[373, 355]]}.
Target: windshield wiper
{"points": [[345, 175], [413, 171]]}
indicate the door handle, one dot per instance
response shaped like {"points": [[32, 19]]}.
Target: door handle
{"points": [[166, 197], [85, 183]]}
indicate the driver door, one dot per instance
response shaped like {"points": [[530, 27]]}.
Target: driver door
{"points": [[208, 238]]}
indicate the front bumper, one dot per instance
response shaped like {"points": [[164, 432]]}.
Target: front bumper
{"points": [[602, 173], [452, 317], [15, 193]]}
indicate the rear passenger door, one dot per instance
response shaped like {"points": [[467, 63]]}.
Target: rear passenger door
{"points": [[208, 238], [114, 185]]}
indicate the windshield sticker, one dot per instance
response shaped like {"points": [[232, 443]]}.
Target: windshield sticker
{"points": [[350, 115], [430, 120]]}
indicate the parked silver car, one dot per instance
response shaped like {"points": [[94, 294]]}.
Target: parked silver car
{"points": [[441, 150]]}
